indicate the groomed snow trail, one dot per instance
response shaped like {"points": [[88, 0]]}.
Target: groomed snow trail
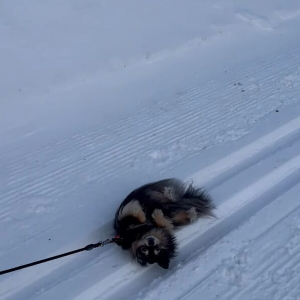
{"points": [[217, 102]]}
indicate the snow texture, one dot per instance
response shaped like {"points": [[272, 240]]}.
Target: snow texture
{"points": [[100, 97]]}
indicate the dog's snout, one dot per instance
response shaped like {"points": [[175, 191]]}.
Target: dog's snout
{"points": [[151, 241]]}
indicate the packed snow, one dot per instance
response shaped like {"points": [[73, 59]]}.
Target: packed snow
{"points": [[101, 96]]}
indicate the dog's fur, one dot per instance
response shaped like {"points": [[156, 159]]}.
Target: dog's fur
{"points": [[147, 216]]}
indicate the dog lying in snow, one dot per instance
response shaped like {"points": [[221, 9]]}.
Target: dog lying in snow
{"points": [[146, 218]]}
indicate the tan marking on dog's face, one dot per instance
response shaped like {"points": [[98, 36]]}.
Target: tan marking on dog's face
{"points": [[147, 250], [157, 233], [144, 242], [156, 252], [153, 247]]}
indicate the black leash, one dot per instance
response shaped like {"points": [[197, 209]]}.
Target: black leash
{"points": [[86, 248]]}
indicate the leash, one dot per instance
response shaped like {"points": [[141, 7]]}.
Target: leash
{"points": [[89, 247]]}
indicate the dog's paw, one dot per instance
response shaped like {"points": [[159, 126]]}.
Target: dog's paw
{"points": [[169, 193], [157, 214], [193, 216], [160, 219], [169, 225], [141, 217]]}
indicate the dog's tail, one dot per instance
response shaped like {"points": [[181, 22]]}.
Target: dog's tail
{"points": [[198, 199], [179, 196]]}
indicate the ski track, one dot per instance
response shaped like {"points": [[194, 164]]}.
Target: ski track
{"points": [[99, 153], [66, 272], [106, 155], [257, 263], [256, 195], [230, 214], [251, 250]]}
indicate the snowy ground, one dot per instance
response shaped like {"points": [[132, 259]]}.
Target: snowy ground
{"points": [[99, 97]]}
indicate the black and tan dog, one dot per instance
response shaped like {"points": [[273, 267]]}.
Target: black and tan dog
{"points": [[147, 216]]}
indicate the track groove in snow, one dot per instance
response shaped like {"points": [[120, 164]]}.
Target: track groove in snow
{"points": [[261, 147], [105, 156], [256, 259], [208, 92], [234, 210], [188, 98], [272, 262]]}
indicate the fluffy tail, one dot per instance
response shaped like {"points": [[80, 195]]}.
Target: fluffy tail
{"points": [[178, 196], [199, 199]]}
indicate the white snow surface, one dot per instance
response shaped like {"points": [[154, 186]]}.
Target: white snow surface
{"points": [[101, 96]]}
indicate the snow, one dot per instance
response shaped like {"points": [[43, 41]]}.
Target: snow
{"points": [[99, 97]]}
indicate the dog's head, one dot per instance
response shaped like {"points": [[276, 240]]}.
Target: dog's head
{"points": [[158, 245]]}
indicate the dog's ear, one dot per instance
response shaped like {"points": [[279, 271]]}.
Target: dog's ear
{"points": [[134, 247], [163, 262]]}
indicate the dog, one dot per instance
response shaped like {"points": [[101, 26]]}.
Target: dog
{"points": [[146, 218]]}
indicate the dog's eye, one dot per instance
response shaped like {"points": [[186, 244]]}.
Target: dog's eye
{"points": [[143, 249], [157, 248]]}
